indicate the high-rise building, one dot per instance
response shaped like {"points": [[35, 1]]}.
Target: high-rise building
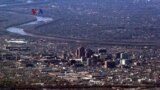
{"points": [[109, 64], [125, 61], [88, 53], [102, 51], [80, 52], [122, 56], [89, 62]]}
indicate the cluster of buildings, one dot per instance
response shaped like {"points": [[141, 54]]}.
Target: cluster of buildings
{"points": [[80, 66], [102, 58]]}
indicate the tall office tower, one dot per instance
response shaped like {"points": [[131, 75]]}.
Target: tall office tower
{"points": [[89, 62], [122, 55], [102, 51], [88, 53], [109, 64], [80, 52]]}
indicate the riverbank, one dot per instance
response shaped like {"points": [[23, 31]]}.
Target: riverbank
{"points": [[17, 30]]}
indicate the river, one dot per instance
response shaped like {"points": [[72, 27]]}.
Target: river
{"points": [[17, 30]]}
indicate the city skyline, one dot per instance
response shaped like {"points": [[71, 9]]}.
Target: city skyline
{"points": [[80, 45]]}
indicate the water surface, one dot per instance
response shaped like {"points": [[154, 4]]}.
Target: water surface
{"points": [[17, 30]]}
